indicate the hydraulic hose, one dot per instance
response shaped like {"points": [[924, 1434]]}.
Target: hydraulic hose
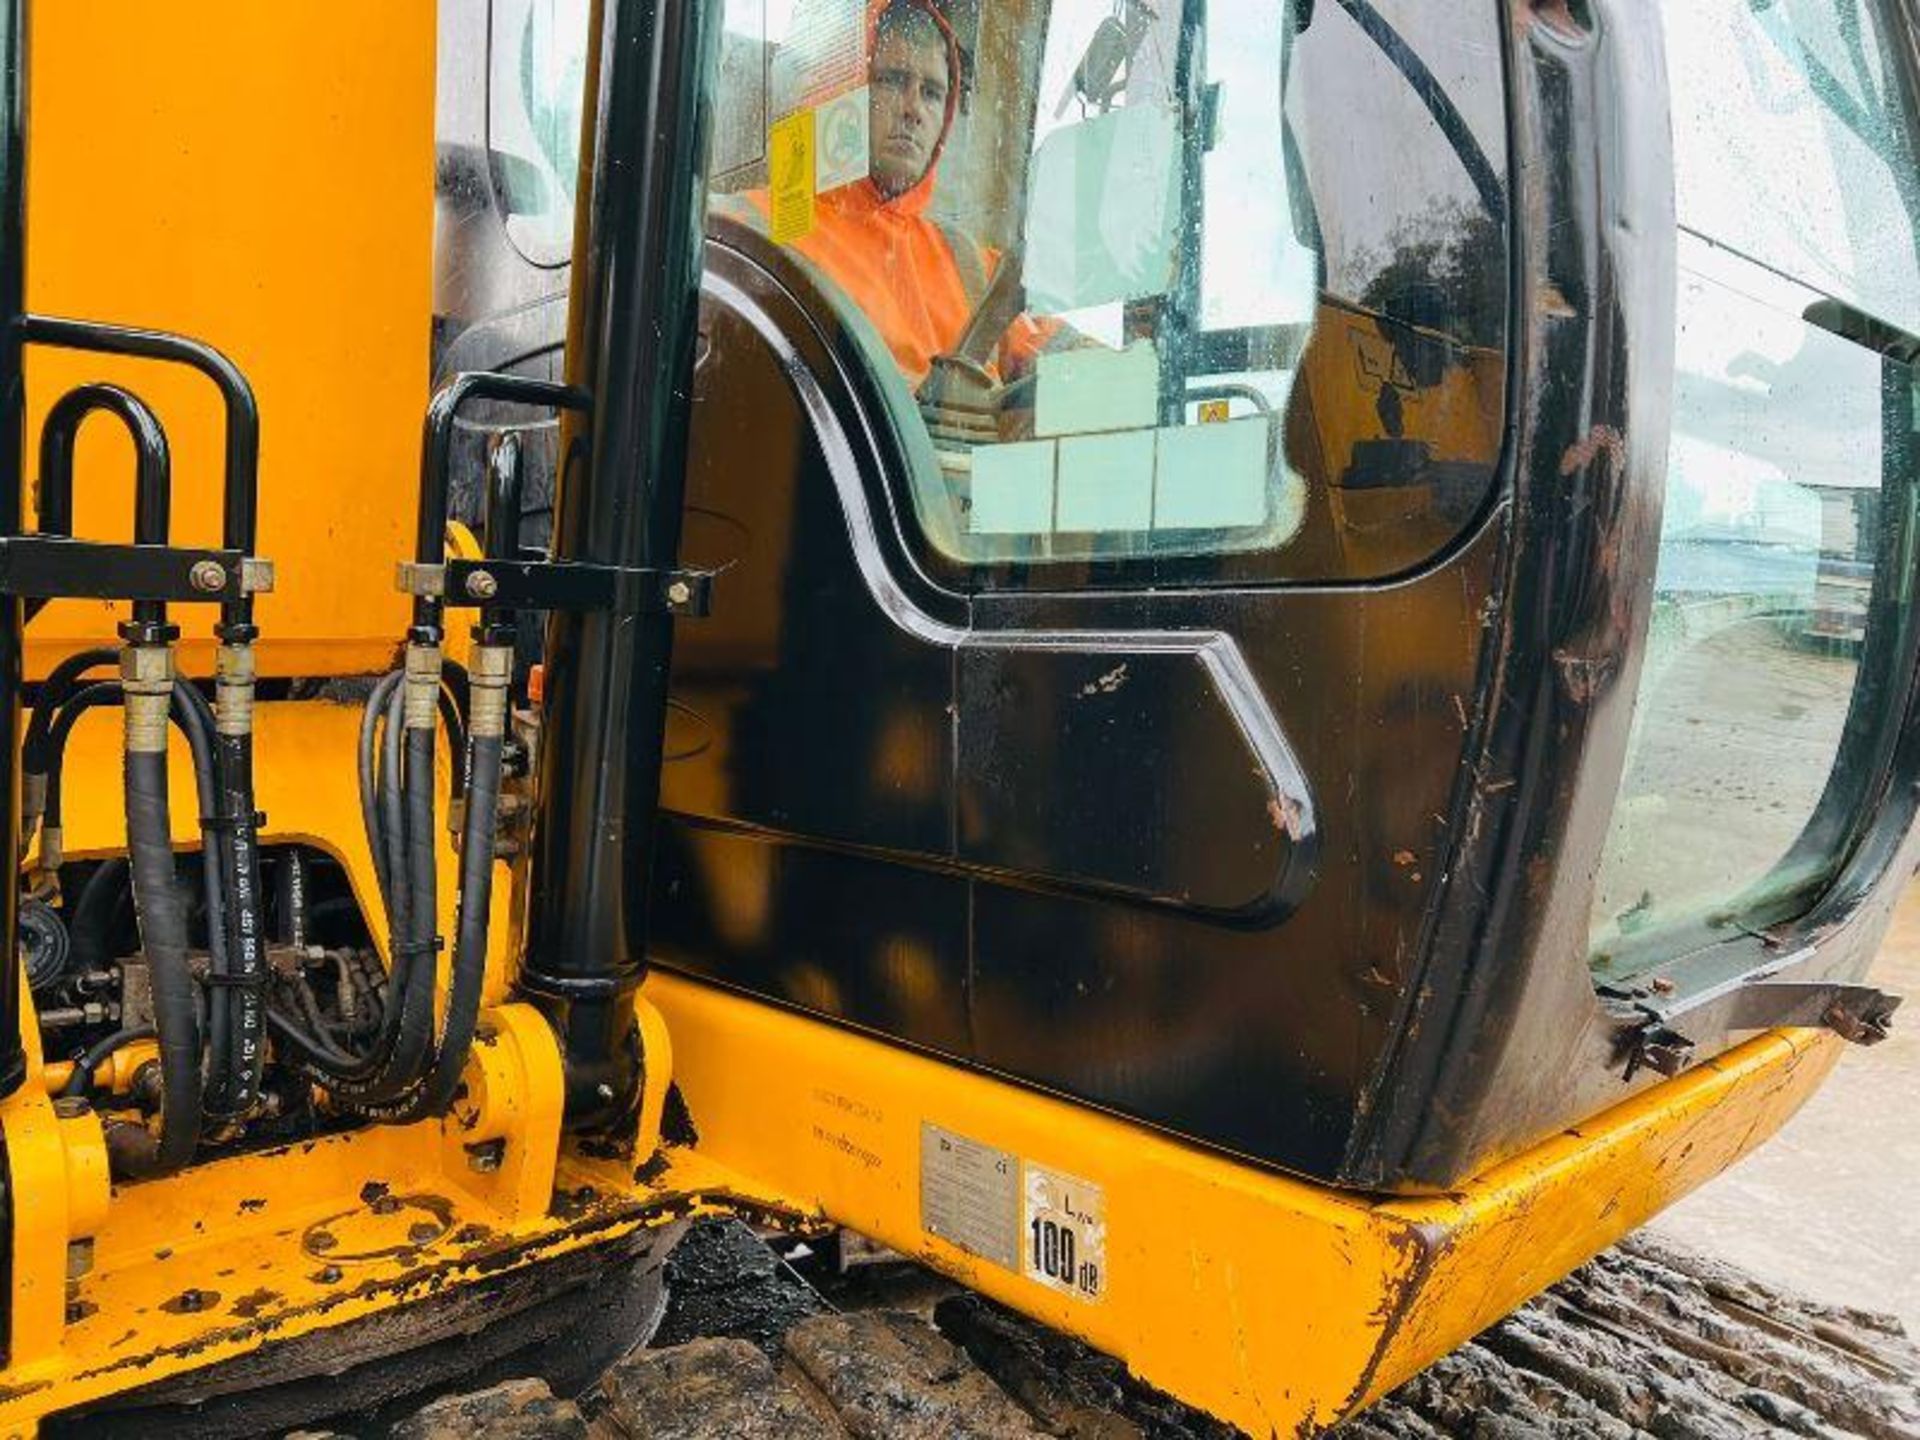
{"points": [[95, 912], [406, 1077], [407, 835], [237, 857], [491, 675], [188, 711], [53, 749], [54, 691], [419, 696], [403, 1045], [104, 692], [370, 721], [195, 720], [456, 723], [482, 743], [97, 1054], [147, 680]]}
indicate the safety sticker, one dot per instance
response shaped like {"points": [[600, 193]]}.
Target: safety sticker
{"points": [[841, 141], [790, 177], [1065, 1232], [1215, 412], [1038, 1222]]}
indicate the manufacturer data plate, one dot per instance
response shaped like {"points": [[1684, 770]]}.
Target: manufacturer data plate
{"points": [[1039, 1222], [970, 1195]]}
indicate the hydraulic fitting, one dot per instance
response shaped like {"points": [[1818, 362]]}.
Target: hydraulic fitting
{"points": [[146, 681], [422, 687], [233, 689]]}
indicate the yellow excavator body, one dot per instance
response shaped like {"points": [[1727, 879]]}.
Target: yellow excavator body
{"points": [[262, 178]]}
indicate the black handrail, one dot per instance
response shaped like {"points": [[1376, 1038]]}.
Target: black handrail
{"points": [[240, 500], [436, 459], [59, 439]]}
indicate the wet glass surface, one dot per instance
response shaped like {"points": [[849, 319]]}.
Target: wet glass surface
{"points": [[1186, 293], [536, 60], [1789, 476]]}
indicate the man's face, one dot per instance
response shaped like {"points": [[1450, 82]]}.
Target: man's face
{"points": [[907, 106]]}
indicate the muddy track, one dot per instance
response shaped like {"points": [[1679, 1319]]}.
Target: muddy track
{"points": [[1647, 1340]]}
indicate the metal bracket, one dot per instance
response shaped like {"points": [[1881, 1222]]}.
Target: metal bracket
{"points": [[560, 585], [1858, 1013], [50, 567], [1657, 1047]]}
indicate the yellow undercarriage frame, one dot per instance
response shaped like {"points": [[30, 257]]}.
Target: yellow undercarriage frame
{"points": [[1276, 1304]]}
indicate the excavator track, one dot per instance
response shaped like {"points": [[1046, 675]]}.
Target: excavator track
{"points": [[1648, 1340]]}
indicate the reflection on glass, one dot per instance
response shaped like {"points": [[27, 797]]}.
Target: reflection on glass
{"points": [[1789, 471], [1791, 145], [537, 62], [1072, 223], [1767, 560]]}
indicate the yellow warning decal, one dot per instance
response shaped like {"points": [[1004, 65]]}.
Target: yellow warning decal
{"points": [[1214, 412], [790, 177]]}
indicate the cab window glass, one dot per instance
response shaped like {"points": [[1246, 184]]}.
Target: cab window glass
{"points": [[536, 63], [1781, 591], [1176, 292]]}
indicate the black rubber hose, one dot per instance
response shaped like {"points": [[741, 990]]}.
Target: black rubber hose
{"points": [[190, 713], [410, 909], [401, 1049], [107, 692], [414, 779], [96, 1055], [318, 1060], [88, 925], [54, 691], [101, 900], [456, 736], [101, 692], [369, 765], [245, 919], [187, 711], [393, 822], [436, 1092], [162, 917], [416, 785]]}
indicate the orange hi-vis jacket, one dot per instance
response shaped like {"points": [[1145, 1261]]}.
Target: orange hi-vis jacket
{"points": [[918, 281]]}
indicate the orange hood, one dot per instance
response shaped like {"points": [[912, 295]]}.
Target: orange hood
{"points": [[914, 200]]}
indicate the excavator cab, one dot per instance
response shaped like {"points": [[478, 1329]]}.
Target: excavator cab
{"points": [[1245, 676]]}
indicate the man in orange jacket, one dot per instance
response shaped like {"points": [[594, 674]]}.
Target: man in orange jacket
{"points": [[917, 280]]}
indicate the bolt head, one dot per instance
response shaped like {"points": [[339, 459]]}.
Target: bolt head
{"points": [[679, 593], [208, 576], [482, 586]]}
